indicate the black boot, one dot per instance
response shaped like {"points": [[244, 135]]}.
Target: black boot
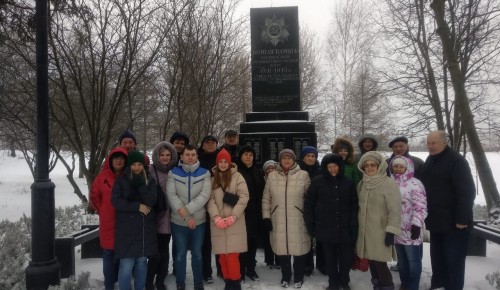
{"points": [[376, 284]]}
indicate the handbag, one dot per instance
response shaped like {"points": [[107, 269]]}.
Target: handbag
{"points": [[360, 264], [161, 202]]}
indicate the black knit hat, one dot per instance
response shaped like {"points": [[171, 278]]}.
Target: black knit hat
{"points": [[126, 134], [398, 139], [135, 156], [179, 135]]}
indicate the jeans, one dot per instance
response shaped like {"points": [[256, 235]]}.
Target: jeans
{"points": [[128, 266], [448, 252], [188, 239], [409, 265], [109, 268]]}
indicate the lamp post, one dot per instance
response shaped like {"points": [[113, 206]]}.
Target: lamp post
{"points": [[43, 269]]}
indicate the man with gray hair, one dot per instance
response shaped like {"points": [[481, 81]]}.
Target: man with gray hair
{"points": [[448, 181]]}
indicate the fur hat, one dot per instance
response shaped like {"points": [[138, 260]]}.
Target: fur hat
{"points": [[398, 139], [135, 156], [288, 152], [126, 134], [179, 135], [223, 154], [267, 164], [306, 150]]}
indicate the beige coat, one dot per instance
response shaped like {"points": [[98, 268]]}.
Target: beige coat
{"points": [[283, 203], [379, 212], [232, 239]]}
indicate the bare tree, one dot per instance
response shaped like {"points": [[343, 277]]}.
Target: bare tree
{"points": [[479, 15]]}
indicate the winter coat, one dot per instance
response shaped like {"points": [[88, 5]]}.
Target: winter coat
{"points": [[283, 203], [160, 173], [255, 182], [331, 206], [414, 204], [350, 169], [207, 160], [450, 191], [232, 239], [418, 164], [100, 201], [379, 212], [135, 233], [313, 170], [188, 187]]}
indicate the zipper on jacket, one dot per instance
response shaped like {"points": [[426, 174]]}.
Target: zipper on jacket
{"points": [[286, 213], [189, 187]]}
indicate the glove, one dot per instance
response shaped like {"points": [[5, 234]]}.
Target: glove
{"points": [[230, 198], [230, 220], [415, 232], [137, 180], [268, 225], [219, 222], [310, 230], [389, 239]]}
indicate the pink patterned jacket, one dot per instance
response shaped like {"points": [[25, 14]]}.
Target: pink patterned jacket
{"points": [[414, 204]]}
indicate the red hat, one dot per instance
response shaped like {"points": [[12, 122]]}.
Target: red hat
{"points": [[223, 154]]}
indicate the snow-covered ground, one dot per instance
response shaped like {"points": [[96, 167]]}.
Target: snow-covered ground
{"points": [[15, 192]]}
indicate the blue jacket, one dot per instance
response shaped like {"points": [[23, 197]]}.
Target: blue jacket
{"points": [[189, 187]]}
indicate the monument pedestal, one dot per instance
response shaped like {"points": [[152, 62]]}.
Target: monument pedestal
{"points": [[270, 132]]}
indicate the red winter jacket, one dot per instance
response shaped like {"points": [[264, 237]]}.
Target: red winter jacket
{"points": [[100, 200]]}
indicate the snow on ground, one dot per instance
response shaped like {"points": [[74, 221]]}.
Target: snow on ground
{"points": [[15, 192]]}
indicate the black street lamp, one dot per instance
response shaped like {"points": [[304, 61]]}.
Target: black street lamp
{"points": [[43, 269]]}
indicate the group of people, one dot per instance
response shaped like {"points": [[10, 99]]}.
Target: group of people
{"points": [[214, 200]]}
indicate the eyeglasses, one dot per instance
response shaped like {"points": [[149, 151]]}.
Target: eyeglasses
{"points": [[370, 165]]}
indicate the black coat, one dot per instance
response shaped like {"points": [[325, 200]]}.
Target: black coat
{"points": [[450, 191], [207, 160], [312, 170], [135, 234], [253, 212], [331, 208]]}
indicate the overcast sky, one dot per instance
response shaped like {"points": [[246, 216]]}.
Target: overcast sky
{"points": [[315, 14]]}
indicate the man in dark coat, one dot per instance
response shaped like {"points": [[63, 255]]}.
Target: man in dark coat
{"points": [[399, 146], [448, 181], [207, 154], [231, 139], [253, 212], [331, 214]]}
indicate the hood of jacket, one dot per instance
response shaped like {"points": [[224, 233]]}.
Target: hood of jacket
{"points": [[156, 156], [115, 151], [363, 138], [337, 145], [410, 170], [332, 158]]}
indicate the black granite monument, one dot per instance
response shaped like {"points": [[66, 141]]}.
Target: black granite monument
{"points": [[277, 121]]}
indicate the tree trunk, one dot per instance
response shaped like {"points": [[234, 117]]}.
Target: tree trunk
{"points": [[485, 175]]}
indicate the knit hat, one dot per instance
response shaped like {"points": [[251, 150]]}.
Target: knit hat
{"points": [[267, 164], [246, 148], [209, 138], [135, 156], [306, 150], [288, 152], [230, 132], [181, 135], [400, 161], [126, 134], [398, 139], [223, 154]]}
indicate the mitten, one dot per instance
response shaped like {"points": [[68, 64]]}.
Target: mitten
{"points": [[219, 222], [415, 232], [389, 239], [268, 225], [230, 198], [230, 220], [310, 229], [137, 180]]}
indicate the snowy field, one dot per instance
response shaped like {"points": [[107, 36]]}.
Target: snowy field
{"points": [[15, 192]]}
